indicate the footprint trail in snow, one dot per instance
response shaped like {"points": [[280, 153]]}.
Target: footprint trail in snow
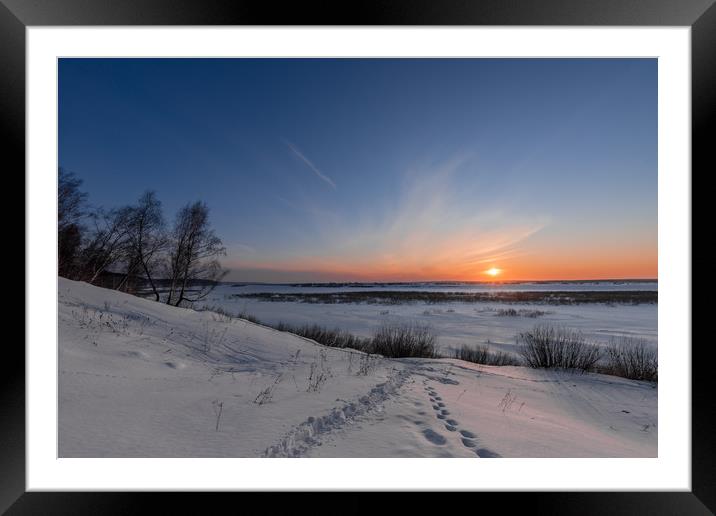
{"points": [[467, 438]]}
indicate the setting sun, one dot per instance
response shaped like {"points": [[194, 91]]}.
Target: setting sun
{"points": [[477, 234]]}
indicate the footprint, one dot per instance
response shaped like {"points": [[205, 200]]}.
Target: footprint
{"points": [[450, 427], [453, 422], [467, 433], [468, 443], [484, 453], [434, 437]]}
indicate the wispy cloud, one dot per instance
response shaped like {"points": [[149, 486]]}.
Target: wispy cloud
{"points": [[432, 232], [426, 231], [310, 164]]}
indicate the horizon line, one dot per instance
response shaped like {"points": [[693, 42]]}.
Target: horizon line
{"points": [[592, 280]]}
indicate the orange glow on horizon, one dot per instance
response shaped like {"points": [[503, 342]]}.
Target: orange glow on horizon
{"points": [[583, 265], [460, 258]]}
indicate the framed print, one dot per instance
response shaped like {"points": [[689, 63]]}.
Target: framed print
{"points": [[296, 251]]}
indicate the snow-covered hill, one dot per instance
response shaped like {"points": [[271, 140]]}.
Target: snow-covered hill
{"points": [[141, 379]]}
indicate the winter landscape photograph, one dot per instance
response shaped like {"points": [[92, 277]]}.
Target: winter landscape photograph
{"points": [[375, 257]]}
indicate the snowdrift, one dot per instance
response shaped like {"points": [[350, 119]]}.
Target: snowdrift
{"points": [[141, 379]]}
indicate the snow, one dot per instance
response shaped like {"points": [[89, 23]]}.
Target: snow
{"points": [[142, 379], [455, 324]]}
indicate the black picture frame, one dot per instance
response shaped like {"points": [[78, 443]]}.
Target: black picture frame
{"points": [[700, 15]]}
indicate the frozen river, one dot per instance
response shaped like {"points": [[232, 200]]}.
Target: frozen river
{"points": [[454, 323]]}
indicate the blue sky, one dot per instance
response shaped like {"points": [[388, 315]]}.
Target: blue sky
{"points": [[382, 169]]}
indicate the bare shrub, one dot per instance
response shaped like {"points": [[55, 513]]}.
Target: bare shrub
{"points": [[366, 364], [266, 395], [557, 347], [319, 373], [334, 338], [632, 358], [393, 341], [532, 314], [248, 317], [522, 312], [222, 316], [507, 401], [404, 340], [218, 313], [218, 409], [484, 355], [99, 321], [212, 337]]}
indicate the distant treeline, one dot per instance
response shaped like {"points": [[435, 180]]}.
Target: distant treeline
{"points": [[396, 297], [461, 283], [131, 248]]}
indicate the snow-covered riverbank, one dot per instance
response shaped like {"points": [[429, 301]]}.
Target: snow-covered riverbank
{"points": [[141, 379]]}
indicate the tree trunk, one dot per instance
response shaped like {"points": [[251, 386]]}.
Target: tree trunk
{"points": [[151, 283]]}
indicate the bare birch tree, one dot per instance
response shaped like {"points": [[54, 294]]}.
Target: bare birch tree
{"points": [[108, 243], [146, 238], [193, 256], [71, 205]]}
